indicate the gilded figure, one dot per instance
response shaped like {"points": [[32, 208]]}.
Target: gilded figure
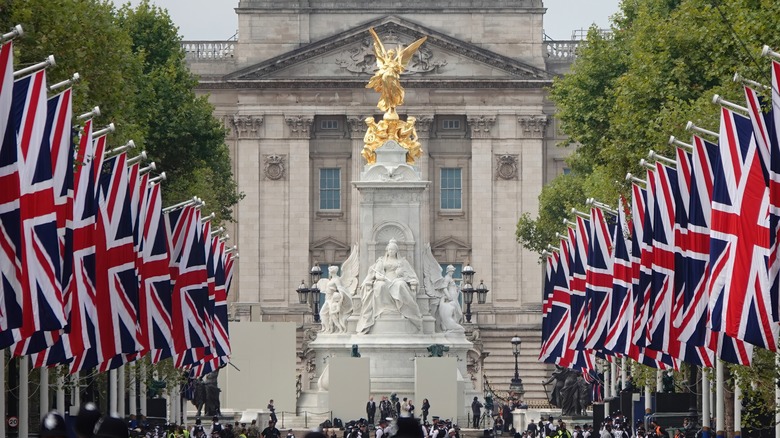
{"points": [[386, 81]]}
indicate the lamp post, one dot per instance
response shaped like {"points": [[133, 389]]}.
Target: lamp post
{"points": [[468, 290], [314, 292], [517, 383]]}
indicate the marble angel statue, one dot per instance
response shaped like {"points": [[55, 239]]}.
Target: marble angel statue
{"points": [[444, 292], [339, 290], [389, 287], [386, 81]]}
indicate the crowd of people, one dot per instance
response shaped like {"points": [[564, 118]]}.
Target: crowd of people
{"points": [[89, 423], [614, 426]]}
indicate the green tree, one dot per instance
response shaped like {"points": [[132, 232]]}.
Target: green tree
{"points": [[628, 92], [182, 132]]}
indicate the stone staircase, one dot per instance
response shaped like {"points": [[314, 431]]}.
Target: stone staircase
{"points": [[500, 364]]}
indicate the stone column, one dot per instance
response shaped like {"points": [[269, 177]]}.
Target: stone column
{"points": [[246, 130], [423, 124], [481, 198], [531, 164], [357, 130], [296, 217]]}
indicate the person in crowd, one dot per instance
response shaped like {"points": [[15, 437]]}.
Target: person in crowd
{"points": [[371, 409], [476, 412], [426, 406], [111, 427], [86, 419], [53, 426], [532, 429], [272, 410], [271, 431], [562, 432]]}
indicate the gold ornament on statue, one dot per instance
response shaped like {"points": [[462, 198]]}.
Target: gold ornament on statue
{"points": [[386, 81]]}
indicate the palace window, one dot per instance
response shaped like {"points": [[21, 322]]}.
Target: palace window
{"points": [[451, 188], [450, 124], [329, 124], [330, 189]]}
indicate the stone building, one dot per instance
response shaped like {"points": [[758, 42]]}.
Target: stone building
{"points": [[292, 92]]}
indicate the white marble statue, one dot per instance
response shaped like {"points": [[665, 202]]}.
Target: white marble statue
{"points": [[389, 287], [444, 292], [339, 291]]}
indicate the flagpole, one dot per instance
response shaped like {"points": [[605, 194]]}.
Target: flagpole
{"points": [[142, 386], [705, 402], [720, 407], [607, 394], [60, 393], [44, 391], [659, 379], [623, 373], [35, 67], [131, 392], [737, 409], [76, 391], [17, 31], [613, 378], [24, 397], [120, 405], [4, 389], [777, 398], [648, 404], [112, 384]]}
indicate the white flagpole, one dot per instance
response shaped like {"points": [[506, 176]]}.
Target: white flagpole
{"points": [[142, 380], [132, 396], [607, 393], [24, 397], [705, 401], [4, 389], [623, 373], [76, 388], [61, 394], [648, 401], [737, 409], [613, 379], [720, 407], [44, 391], [777, 399], [121, 392], [112, 384], [659, 384]]}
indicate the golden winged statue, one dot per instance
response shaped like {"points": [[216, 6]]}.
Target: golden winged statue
{"points": [[386, 81]]}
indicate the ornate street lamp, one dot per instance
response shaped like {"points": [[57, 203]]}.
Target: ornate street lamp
{"points": [[303, 293], [516, 385], [467, 289], [314, 291]]}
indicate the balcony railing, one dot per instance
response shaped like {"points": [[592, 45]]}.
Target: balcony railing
{"points": [[563, 51], [208, 50]]}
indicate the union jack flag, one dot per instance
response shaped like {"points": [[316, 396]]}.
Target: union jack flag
{"points": [[773, 123], [117, 280], [579, 310], [42, 310], [621, 309], [156, 279], [740, 303], [190, 285], [10, 216], [598, 288], [551, 263]]}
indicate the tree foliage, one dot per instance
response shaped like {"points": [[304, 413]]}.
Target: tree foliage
{"points": [[628, 92], [132, 66]]}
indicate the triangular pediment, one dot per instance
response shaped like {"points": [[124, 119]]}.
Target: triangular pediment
{"points": [[348, 56], [331, 244], [449, 243]]}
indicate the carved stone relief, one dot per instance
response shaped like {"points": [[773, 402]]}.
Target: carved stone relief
{"points": [[361, 59], [532, 126], [300, 126], [506, 166], [424, 124], [357, 127], [480, 126], [246, 126], [273, 168]]}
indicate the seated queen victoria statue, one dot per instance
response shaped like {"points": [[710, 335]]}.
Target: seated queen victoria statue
{"points": [[389, 287]]}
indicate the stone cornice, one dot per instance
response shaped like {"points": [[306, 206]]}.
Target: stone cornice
{"points": [[393, 6], [352, 84], [389, 24], [300, 126], [480, 125]]}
